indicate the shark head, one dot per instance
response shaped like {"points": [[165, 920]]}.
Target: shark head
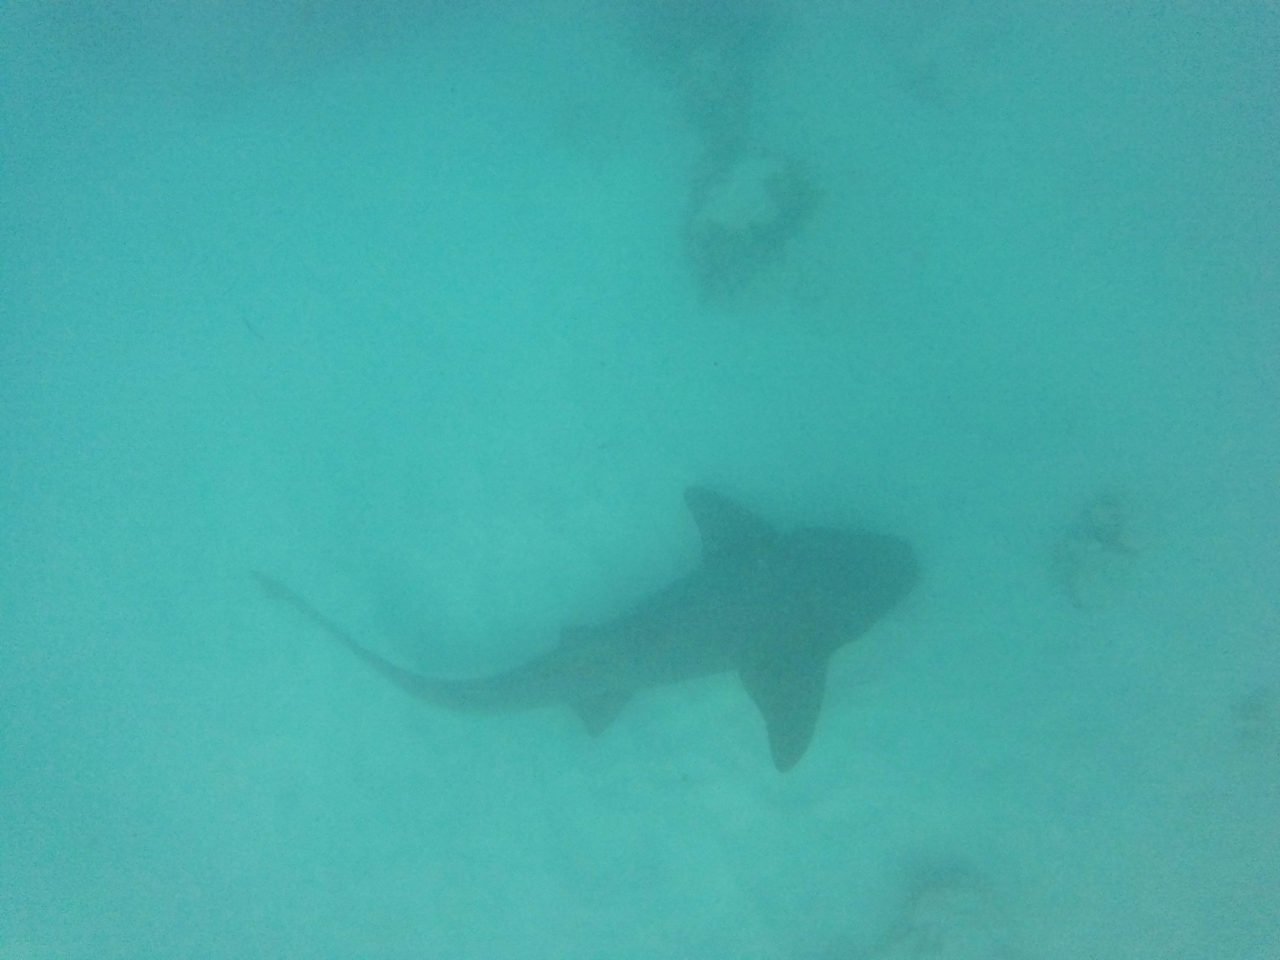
{"points": [[834, 586], [846, 580], [799, 596]]}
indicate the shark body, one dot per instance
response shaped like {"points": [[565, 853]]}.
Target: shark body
{"points": [[771, 606]]}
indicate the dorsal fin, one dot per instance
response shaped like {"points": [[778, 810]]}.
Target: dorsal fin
{"points": [[726, 527]]}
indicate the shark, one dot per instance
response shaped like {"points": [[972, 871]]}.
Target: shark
{"points": [[771, 606]]}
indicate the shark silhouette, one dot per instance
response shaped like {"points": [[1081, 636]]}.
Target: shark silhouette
{"points": [[770, 605]]}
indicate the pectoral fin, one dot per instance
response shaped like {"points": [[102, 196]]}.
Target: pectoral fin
{"points": [[727, 529], [787, 687]]}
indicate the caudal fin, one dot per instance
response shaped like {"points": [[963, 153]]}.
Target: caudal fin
{"points": [[413, 684]]}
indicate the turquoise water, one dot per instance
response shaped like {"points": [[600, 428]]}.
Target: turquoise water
{"points": [[413, 309]]}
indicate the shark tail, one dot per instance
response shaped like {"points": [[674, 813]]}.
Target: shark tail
{"points": [[442, 693]]}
